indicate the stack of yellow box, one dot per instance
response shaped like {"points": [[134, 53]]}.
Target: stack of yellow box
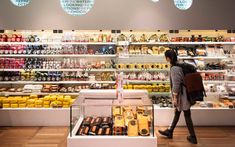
{"points": [[34, 101], [5, 102], [1, 101]]}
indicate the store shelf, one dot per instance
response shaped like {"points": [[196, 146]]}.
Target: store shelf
{"points": [[41, 93], [88, 70], [230, 82], [204, 57], [214, 82], [212, 71], [156, 106], [159, 93], [59, 56], [23, 109], [57, 82], [200, 116], [182, 43], [231, 97], [139, 70], [230, 65], [57, 43], [145, 82], [231, 75], [146, 55], [215, 93]]}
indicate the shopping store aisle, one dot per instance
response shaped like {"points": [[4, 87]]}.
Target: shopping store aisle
{"points": [[56, 137]]}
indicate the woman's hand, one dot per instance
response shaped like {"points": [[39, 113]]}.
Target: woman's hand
{"points": [[175, 96]]}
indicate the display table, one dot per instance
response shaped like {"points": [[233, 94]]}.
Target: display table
{"points": [[98, 103]]}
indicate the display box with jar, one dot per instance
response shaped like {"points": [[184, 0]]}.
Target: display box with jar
{"points": [[98, 118]]}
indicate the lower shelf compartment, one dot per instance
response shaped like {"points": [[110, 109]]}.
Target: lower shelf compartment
{"points": [[107, 141], [200, 117], [35, 117]]}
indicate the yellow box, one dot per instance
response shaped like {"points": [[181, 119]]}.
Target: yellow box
{"points": [[52, 97], [31, 105], [46, 102], [60, 96], [22, 105], [46, 98], [60, 99], [14, 105], [38, 106], [46, 106], [30, 101], [26, 97], [18, 97], [67, 98], [6, 101], [32, 96], [66, 103], [38, 102], [13, 100], [6, 105], [72, 101], [53, 104], [22, 100], [65, 106], [58, 102]]}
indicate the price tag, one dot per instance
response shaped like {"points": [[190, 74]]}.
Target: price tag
{"points": [[123, 43]]}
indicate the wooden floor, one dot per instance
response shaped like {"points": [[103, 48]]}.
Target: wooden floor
{"points": [[56, 137]]}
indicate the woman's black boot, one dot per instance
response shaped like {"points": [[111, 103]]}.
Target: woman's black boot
{"points": [[192, 139], [168, 133]]}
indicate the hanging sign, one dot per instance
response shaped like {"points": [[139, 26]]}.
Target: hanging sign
{"points": [[77, 7], [20, 3], [183, 4]]}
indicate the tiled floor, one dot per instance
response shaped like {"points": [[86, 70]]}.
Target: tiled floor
{"points": [[56, 137]]}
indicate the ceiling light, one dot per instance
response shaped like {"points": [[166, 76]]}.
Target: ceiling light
{"points": [[183, 4], [77, 7], [20, 3]]}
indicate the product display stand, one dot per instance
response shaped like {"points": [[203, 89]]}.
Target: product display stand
{"points": [[105, 97], [34, 117], [200, 117]]}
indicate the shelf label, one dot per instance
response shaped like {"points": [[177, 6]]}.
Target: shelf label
{"points": [[123, 43]]}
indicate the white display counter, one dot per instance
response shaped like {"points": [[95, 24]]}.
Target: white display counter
{"points": [[200, 117], [34, 117], [107, 96]]}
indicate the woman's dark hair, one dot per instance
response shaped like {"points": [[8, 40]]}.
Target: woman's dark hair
{"points": [[172, 55]]}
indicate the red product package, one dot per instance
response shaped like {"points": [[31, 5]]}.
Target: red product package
{"points": [[12, 63], [1, 63]]}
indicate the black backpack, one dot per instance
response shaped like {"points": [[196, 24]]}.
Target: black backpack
{"points": [[193, 83]]}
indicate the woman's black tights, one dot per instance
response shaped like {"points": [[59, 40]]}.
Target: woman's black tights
{"points": [[188, 120]]}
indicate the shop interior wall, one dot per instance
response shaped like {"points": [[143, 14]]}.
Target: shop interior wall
{"points": [[120, 14]]}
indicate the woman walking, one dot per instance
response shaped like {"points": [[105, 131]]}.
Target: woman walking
{"points": [[179, 97]]}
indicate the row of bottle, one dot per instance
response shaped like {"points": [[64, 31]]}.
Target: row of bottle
{"points": [[43, 76], [56, 49], [51, 63]]}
